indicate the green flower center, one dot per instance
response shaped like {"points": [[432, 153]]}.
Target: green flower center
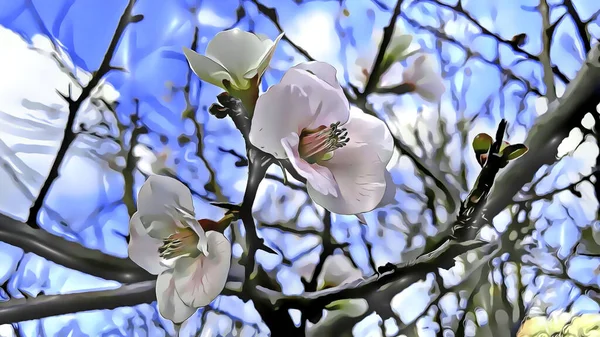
{"points": [[319, 144], [181, 243]]}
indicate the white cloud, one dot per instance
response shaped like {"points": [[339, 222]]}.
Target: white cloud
{"points": [[33, 113], [209, 18], [315, 32]]}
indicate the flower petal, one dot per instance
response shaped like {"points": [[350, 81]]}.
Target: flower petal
{"points": [[143, 249], [319, 177], [301, 100], [429, 84], [389, 196], [279, 112], [327, 100], [200, 280], [238, 51], [266, 59], [156, 200], [207, 69], [337, 270], [170, 305], [359, 167]]}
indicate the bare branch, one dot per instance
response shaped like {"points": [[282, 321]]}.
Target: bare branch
{"points": [[582, 95], [388, 32], [579, 25], [545, 54], [459, 9], [74, 105], [25, 309], [404, 274], [70, 254]]}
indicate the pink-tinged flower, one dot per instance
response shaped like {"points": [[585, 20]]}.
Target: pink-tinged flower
{"points": [[337, 270], [166, 240], [341, 152], [422, 73]]}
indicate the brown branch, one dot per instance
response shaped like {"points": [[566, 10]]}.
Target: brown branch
{"points": [[74, 105], [25, 309], [388, 33], [547, 34], [579, 25], [582, 95], [458, 8], [70, 254], [403, 275]]}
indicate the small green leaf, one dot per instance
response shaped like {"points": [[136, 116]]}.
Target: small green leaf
{"points": [[514, 151], [503, 146], [482, 142], [398, 50], [481, 145]]}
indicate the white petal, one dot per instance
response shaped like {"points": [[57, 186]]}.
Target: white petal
{"points": [[266, 59], [359, 167], [319, 177], [207, 69], [328, 103], [200, 280], [389, 196], [337, 270], [157, 196], [142, 248], [170, 305], [239, 52], [185, 217], [279, 112]]}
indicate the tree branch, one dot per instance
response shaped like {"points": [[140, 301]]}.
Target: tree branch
{"points": [[579, 25], [74, 105], [547, 34], [70, 254], [24, 309], [403, 275], [458, 8], [581, 96], [388, 33]]}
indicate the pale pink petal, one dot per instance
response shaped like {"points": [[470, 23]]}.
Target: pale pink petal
{"points": [[361, 218], [389, 197], [143, 249], [200, 280], [337, 270], [279, 112], [423, 74], [170, 306], [317, 176], [359, 168], [156, 199], [322, 70], [328, 104]]}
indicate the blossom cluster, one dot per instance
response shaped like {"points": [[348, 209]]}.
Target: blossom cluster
{"points": [[305, 119]]}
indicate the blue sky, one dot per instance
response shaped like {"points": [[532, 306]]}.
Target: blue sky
{"points": [[151, 52]]}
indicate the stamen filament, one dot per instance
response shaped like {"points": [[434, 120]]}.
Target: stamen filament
{"points": [[316, 145]]}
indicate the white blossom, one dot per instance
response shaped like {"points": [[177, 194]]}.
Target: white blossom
{"points": [[166, 240]]}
